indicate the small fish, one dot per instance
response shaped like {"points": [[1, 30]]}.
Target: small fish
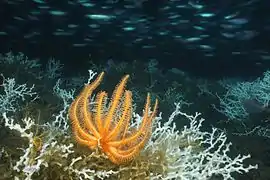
{"points": [[206, 15], [2, 33], [200, 26], [238, 21], [193, 39], [79, 44], [99, 17], [39, 1], [57, 12], [129, 28]]}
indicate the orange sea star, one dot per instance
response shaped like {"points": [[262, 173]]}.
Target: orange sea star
{"points": [[103, 126]]}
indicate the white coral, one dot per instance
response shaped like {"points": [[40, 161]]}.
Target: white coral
{"points": [[190, 154], [13, 93], [185, 160]]}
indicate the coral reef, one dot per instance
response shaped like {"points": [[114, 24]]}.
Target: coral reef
{"points": [[34, 148]]}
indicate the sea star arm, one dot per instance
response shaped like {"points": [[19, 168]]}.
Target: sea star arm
{"points": [[124, 120], [143, 129], [80, 135], [117, 95], [84, 103], [99, 106]]}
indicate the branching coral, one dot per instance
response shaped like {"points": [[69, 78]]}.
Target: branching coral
{"points": [[170, 153]]}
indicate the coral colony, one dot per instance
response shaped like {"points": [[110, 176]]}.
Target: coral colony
{"points": [[93, 136]]}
